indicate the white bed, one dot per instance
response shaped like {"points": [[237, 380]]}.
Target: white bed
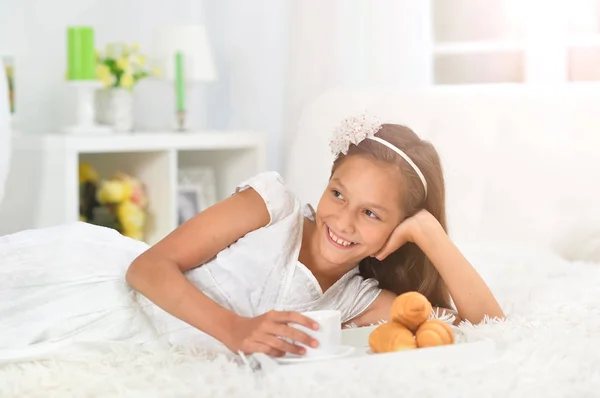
{"points": [[522, 187]]}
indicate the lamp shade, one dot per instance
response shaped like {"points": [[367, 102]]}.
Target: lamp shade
{"points": [[192, 42]]}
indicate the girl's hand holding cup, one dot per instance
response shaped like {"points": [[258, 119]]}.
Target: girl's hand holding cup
{"points": [[271, 334]]}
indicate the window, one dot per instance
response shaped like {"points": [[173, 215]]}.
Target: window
{"points": [[515, 41]]}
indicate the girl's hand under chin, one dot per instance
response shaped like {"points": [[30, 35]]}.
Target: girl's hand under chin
{"points": [[471, 295], [409, 230]]}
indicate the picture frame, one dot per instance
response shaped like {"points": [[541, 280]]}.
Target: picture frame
{"points": [[8, 63], [196, 191]]}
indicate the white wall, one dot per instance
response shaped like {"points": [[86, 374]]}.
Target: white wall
{"points": [[35, 32], [249, 44], [273, 57], [252, 41], [353, 43], [270, 58]]}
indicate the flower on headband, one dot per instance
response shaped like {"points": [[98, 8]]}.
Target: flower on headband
{"points": [[352, 131]]}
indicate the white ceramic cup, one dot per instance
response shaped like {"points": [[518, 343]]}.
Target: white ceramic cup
{"points": [[329, 334]]}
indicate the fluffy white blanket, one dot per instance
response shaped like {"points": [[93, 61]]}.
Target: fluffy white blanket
{"points": [[548, 347]]}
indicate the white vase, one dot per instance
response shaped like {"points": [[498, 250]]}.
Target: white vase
{"points": [[114, 107]]}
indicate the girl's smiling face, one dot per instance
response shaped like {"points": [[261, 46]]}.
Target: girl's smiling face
{"points": [[358, 211]]}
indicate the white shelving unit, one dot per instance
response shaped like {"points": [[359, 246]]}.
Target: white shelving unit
{"points": [[514, 41], [43, 187]]}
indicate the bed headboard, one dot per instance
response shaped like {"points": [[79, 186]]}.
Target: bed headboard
{"points": [[521, 163]]}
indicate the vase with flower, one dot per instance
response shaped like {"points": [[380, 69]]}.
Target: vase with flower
{"points": [[120, 67]]}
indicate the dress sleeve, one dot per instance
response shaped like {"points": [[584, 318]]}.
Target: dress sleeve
{"points": [[280, 201]]}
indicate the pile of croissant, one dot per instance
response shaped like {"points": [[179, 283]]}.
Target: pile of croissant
{"points": [[410, 327]]}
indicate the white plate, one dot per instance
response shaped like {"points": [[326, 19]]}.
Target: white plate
{"points": [[359, 337], [341, 351]]}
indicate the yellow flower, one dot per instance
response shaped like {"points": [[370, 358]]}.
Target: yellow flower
{"points": [[156, 71], [127, 80], [87, 173], [111, 50], [108, 81], [123, 63], [102, 71], [132, 219], [142, 60], [114, 192], [135, 47], [138, 193], [104, 75], [135, 61]]}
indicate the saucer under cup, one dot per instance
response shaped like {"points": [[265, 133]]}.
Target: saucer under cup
{"points": [[329, 334]]}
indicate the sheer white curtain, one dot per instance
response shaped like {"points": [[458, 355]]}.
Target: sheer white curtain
{"points": [[4, 131], [353, 44], [276, 56]]}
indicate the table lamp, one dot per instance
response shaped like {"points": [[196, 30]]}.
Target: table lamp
{"points": [[185, 56], [81, 75]]}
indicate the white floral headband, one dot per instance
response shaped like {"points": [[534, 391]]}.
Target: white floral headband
{"points": [[354, 130]]}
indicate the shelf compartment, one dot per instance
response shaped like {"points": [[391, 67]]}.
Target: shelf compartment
{"points": [[154, 170], [231, 167]]}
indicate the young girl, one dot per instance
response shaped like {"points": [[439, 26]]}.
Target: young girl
{"points": [[240, 272]]}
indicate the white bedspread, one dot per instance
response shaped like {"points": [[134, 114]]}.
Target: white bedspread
{"points": [[549, 347]]}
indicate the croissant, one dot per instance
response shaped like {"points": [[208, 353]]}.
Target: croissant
{"points": [[410, 309], [390, 337], [434, 332]]}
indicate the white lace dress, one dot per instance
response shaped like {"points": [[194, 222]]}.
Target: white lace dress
{"points": [[65, 284]]}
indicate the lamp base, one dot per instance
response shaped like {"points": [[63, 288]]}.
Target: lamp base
{"points": [[181, 126], [193, 117], [85, 121]]}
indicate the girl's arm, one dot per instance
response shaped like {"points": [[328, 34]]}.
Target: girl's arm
{"points": [[471, 295], [158, 273]]}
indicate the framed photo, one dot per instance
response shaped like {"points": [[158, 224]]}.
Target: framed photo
{"points": [[8, 63], [196, 191]]}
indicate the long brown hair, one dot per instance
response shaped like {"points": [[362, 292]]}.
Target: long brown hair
{"points": [[408, 269]]}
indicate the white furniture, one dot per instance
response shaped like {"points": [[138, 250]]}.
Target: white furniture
{"points": [[521, 162], [43, 188], [514, 41]]}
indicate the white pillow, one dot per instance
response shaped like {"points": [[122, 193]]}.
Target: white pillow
{"points": [[580, 241], [577, 237]]}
